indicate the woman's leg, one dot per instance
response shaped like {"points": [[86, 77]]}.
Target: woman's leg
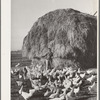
{"points": [[46, 64]]}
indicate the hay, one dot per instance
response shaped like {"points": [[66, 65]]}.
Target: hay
{"points": [[70, 34]]}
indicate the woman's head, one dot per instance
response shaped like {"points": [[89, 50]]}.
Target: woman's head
{"points": [[25, 73]]}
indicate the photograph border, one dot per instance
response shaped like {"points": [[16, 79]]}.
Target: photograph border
{"points": [[6, 49]]}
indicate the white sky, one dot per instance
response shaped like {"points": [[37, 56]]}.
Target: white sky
{"points": [[25, 12]]}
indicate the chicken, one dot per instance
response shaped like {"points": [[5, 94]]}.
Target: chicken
{"points": [[79, 83], [20, 76], [82, 75], [72, 75], [93, 87], [17, 65], [92, 78], [75, 81], [44, 86], [77, 75], [20, 91], [65, 91], [52, 71], [55, 95], [91, 71], [46, 73], [71, 93], [47, 93], [64, 70], [26, 95], [67, 83], [12, 72], [19, 83], [79, 70], [76, 90], [34, 84], [69, 98]]}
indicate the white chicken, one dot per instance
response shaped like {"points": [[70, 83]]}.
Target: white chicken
{"points": [[52, 71], [55, 95], [79, 70], [20, 76], [46, 72], [19, 83], [93, 87], [76, 90], [79, 83], [75, 81], [17, 65], [67, 83], [82, 75], [71, 93], [47, 93], [91, 71], [91, 79], [26, 95], [12, 72]]}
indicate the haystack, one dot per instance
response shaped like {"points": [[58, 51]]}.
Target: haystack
{"points": [[71, 34]]}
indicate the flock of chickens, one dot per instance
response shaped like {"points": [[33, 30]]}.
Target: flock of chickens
{"points": [[63, 84]]}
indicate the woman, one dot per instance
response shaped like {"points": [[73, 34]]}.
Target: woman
{"points": [[25, 72], [49, 57]]}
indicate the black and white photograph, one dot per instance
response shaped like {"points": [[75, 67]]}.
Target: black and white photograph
{"points": [[53, 54]]}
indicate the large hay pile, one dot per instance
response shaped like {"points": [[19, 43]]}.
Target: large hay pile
{"points": [[70, 34]]}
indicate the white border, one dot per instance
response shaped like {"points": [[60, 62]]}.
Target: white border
{"points": [[5, 48], [98, 50]]}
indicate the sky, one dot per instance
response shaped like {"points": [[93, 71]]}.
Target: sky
{"points": [[25, 12]]}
